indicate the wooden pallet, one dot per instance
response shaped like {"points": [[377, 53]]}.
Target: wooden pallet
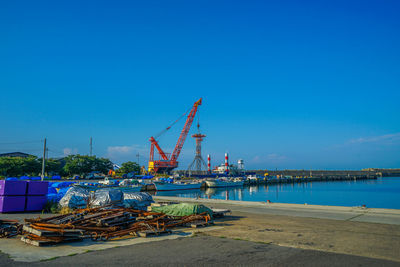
{"points": [[40, 243], [149, 233], [66, 232]]}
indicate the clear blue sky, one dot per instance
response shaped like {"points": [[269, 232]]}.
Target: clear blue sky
{"points": [[285, 84]]}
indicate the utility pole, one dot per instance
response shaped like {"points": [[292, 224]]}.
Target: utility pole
{"points": [[138, 155], [44, 159], [91, 146]]}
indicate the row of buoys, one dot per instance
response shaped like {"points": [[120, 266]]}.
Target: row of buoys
{"points": [[33, 178]]}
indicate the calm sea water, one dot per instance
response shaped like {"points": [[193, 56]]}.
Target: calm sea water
{"points": [[380, 193]]}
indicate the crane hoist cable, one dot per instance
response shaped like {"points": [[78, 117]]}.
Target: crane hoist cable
{"points": [[169, 127]]}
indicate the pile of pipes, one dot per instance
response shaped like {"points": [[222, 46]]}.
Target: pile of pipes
{"points": [[103, 224], [9, 228]]}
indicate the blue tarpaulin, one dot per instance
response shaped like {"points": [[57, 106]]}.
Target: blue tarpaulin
{"points": [[54, 197], [60, 184], [63, 190], [51, 190], [54, 184]]}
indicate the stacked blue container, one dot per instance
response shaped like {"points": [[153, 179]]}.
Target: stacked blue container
{"points": [[12, 195], [36, 195]]}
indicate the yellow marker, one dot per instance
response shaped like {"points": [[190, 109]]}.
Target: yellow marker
{"points": [[151, 166]]}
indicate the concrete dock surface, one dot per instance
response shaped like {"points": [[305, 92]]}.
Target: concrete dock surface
{"points": [[348, 230], [255, 234], [355, 214], [205, 251]]}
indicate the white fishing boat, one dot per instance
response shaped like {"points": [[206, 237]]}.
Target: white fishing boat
{"points": [[224, 182], [108, 181], [253, 179], [161, 186]]}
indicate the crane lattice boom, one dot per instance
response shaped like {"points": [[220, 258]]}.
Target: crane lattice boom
{"points": [[166, 164]]}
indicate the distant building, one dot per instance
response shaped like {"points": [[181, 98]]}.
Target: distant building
{"points": [[233, 169], [16, 154], [116, 166], [221, 169], [241, 164]]}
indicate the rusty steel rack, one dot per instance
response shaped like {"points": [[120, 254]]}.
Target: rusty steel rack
{"points": [[9, 228], [102, 224]]}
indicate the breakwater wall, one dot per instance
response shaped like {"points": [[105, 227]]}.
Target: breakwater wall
{"points": [[289, 176], [287, 180], [321, 174], [300, 176]]}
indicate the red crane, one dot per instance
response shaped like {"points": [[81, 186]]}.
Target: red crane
{"points": [[166, 164]]}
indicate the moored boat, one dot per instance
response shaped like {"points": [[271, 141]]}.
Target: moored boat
{"points": [[224, 182], [161, 186]]}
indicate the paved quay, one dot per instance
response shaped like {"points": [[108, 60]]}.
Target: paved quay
{"points": [[205, 251], [354, 214], [373, 233]]}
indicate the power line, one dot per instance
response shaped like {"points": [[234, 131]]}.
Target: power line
{"points": [[57, 147], [32, 150], [17, 143], [56, 153], [54, 149]]}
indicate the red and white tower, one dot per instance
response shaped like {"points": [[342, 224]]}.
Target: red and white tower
{"points": [[226, 163], [208, 163]]}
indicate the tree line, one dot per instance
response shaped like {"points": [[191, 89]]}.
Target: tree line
{"points": [[70, 165]]}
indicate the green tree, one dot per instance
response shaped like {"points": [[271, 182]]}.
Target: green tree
{"points": [[9, 166], [31, 166], [102, 165], [17, 166], [53, 166], [80, 164], [128, 167]]}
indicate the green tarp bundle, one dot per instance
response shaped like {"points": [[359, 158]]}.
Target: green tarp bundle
{"points": [[182, 209]]}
